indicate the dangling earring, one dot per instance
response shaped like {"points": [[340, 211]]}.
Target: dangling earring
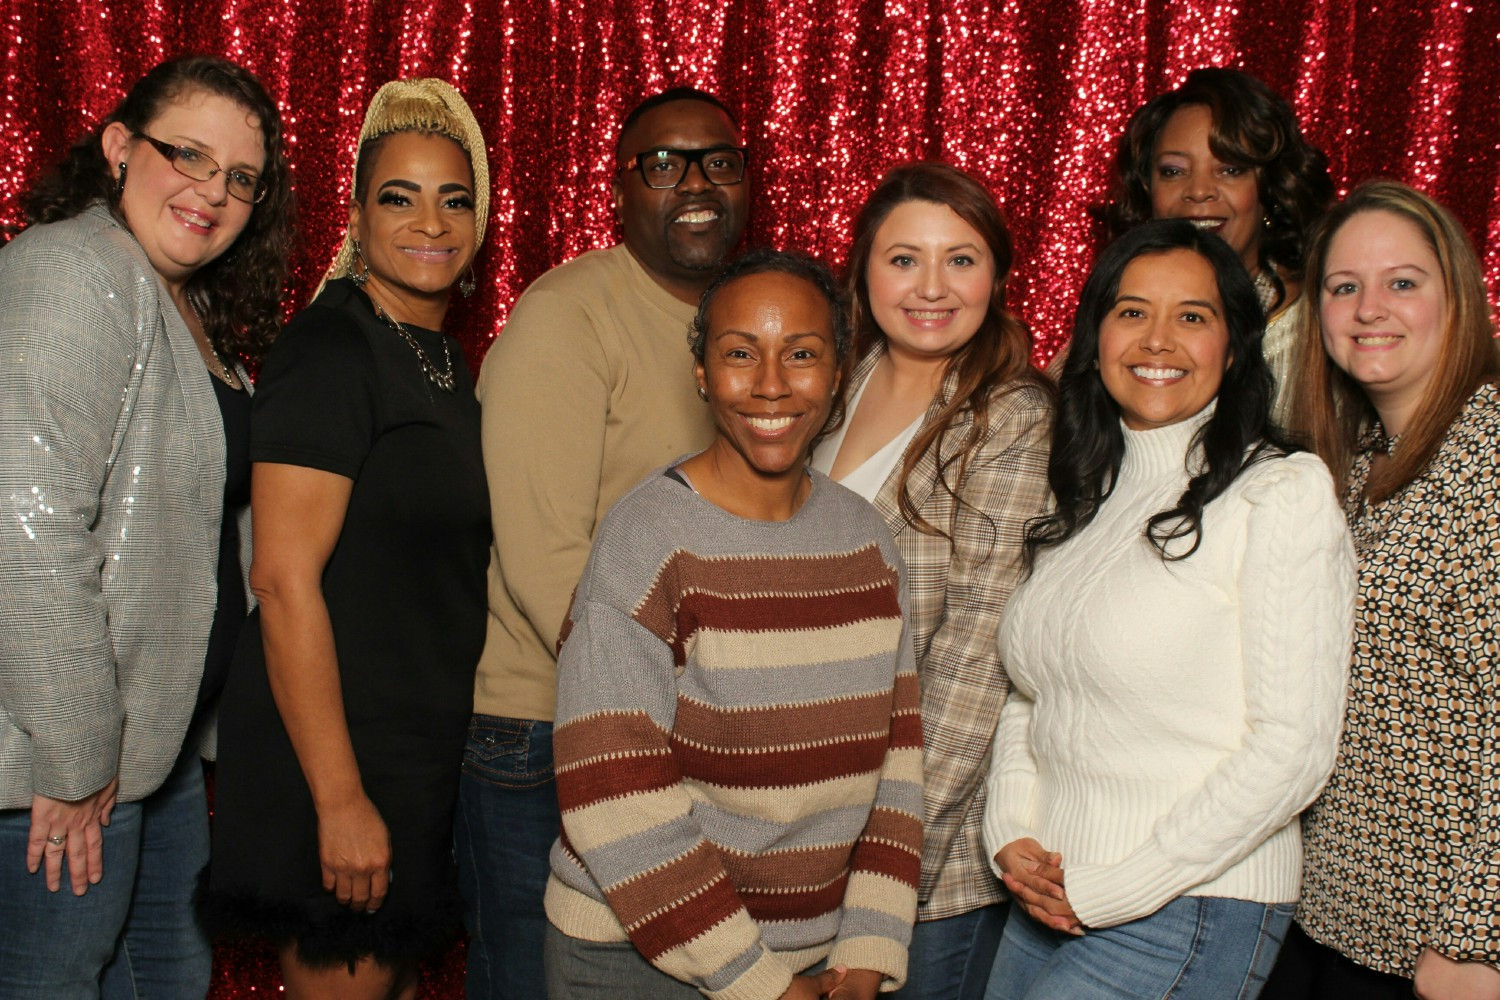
{"points": [[120, 184], [466, 284], [703, 393], [361, 276]]}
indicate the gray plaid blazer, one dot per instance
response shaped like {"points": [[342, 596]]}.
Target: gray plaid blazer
{"points": [[957, 594], [112, 485]]}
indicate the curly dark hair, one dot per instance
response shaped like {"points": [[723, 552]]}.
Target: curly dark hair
{"points": [[768, 260], [1087, 443], [1252, 127], [238, 295], [996, 359]]}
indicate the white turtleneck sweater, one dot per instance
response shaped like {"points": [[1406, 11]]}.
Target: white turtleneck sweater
{"points": [[1168, 721]]}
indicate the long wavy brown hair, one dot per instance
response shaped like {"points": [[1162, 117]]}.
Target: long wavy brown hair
{"points": [[996, 359], [1330, 410], [238, 295]]}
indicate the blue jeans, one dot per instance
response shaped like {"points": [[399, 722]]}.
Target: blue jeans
{"points": [[132, 935], [1194, 948], [507, 820], [950, 959]]}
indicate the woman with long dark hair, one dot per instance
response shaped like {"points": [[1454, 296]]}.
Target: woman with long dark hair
{"points": [[1226, 153], [1177, 653], [153, 264], [945, 432], [1399, 396]]}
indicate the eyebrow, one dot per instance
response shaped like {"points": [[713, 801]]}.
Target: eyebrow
{"points": [[1384, 270], [207, 150], [756, 338], [1200, 303], [416, 188]]}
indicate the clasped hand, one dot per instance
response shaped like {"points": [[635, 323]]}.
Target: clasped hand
{"points": [[1034, 877], [837, 983]]}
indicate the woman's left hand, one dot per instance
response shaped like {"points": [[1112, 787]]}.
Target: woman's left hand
{"points": [[78, 824], [1439, 977], [1035, 878]]}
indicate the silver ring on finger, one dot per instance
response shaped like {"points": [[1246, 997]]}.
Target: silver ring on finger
{"points": [[58, 840]]}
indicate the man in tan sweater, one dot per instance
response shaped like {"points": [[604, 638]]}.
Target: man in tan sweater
{"points": [[589, 388]]}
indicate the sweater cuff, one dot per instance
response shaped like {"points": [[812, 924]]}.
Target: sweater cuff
{"points": [[878, 954], [767, 979], [1108, 895]]}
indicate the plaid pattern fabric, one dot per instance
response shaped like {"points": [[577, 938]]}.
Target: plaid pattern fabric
{"points": [[957, 594], [112, 484]]}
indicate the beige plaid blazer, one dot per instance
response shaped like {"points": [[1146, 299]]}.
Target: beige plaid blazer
{"points": [[957, 594]]}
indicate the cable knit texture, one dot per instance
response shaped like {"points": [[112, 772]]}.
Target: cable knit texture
{"points": [[739, 757], [1169, 720]]}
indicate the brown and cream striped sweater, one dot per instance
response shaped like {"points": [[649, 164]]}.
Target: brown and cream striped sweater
{"points": [[738, 746]]}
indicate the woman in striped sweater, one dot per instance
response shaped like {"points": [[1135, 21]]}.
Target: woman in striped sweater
{"points": [[738, 743]]}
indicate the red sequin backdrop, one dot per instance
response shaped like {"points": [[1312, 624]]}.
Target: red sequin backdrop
{"points": [[1029, 95]]}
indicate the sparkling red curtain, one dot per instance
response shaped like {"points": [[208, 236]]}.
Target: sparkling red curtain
{"points": [[1028, 94]]}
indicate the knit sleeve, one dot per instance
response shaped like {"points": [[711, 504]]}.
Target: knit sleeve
{"points": [[1296, 597], [1010, 792], [881, 900], [628, 817], [1466, 926]]}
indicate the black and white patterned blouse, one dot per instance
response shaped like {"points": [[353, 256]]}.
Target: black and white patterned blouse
{"points": [[1403, 848]]}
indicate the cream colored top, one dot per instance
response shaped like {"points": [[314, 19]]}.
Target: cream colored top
{"points": [[875, 470]]}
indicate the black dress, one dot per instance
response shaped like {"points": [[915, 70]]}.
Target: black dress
{"points": [[405, 587]]}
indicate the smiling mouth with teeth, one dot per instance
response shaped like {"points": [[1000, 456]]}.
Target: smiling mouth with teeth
{"points": [[1140, 371], [1207, 223], [707, 215], [1377, 340], [770, 423], [926, 314]]}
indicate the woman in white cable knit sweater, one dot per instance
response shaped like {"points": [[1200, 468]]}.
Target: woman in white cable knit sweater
{"points": [[1178, 653]]}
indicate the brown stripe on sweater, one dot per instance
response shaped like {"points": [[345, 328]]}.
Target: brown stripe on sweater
{"points": [[638, 898], [804, 905], [616, 778], [605, 733], [754, 575], [791, 768], [780, 725], [777, 871], [786, 611], [906, 726], [900, 863], [685, 919], [895, 827]]}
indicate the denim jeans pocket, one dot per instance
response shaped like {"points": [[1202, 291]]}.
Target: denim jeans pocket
{"points": [[515, 753]]}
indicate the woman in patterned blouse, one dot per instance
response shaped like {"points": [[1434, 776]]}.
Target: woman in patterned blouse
{"points": [[1400, 398]]}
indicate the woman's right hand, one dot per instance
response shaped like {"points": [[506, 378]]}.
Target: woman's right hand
{"points": [[80, 824], [814, 987], [1034, 877], [355, 851]]}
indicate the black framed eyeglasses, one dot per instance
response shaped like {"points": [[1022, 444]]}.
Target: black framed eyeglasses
{"points": [[199, 166], [665, 168]]}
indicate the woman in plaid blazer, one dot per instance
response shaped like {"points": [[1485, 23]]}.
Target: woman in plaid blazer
{"points": [[157, 251], [945, 429]]}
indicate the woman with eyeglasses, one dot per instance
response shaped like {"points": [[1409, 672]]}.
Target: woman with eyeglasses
{"points": [[153, 265], [345, 715]]}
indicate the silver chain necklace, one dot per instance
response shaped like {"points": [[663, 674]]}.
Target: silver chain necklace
{"points": [[442, 379]]}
